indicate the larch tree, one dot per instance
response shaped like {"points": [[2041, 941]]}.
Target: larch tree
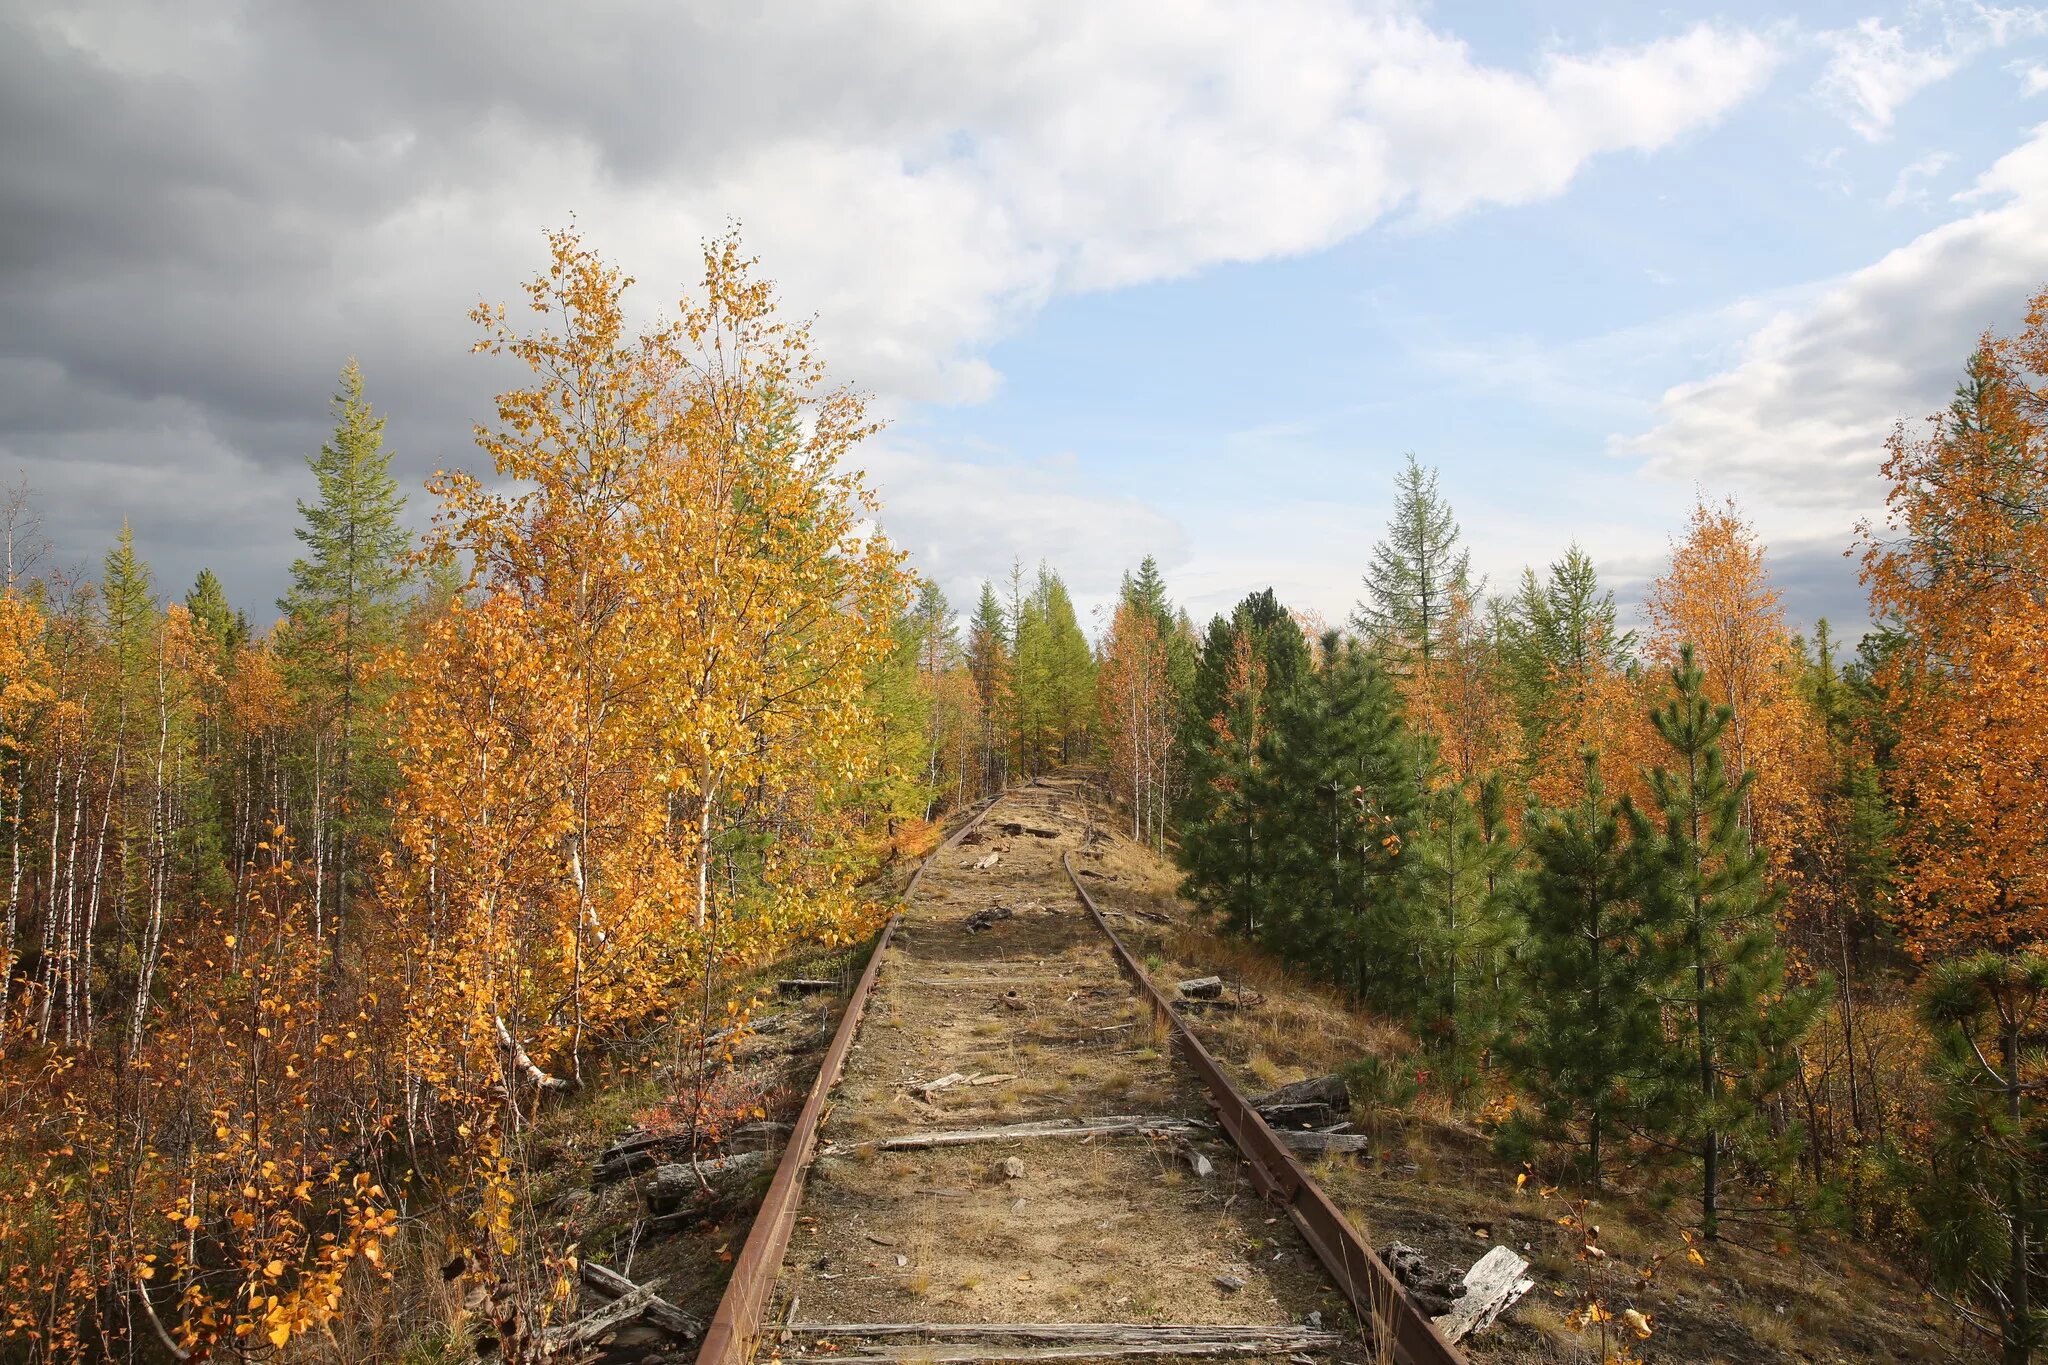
{"points": [[1567, 666], [992, 665], [1420, 571], [1137, 717], [342, 613]]}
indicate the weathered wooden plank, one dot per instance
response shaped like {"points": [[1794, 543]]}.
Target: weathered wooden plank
{"points": [[1493, 1285], [610, 1285], [963, 1352], [1114, 1125], [1134, 1332], [1323, 1144]]}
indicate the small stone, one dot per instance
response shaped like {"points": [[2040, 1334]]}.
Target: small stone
{"points": [[1313, 1321], [1013, 1169], [1229, 1284], [902, 1260]]}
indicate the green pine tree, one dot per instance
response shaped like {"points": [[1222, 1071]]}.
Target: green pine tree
{"points": [[345, 607], [1249, 660], [1986, 1203], [1462, 865], [1335, 820], [1587, 1040], [1737, 1018]]}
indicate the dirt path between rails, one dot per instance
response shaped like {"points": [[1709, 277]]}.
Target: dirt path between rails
{"points": [[1033, 1015]]}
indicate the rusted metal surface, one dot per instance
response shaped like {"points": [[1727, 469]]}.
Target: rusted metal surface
{"points": [[735, 1328], [1359, 1274]]}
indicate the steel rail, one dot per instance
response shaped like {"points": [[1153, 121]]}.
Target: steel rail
{"points": [[1362, 1277], [735, 1327]]}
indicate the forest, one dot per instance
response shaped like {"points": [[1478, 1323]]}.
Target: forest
{"points": [[305, 922]]}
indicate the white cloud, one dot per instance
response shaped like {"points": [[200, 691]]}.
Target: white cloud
{"points": [[1910, 186], [1874, 67], [214, 209], [1797, 425], [965, 521], [2033, 79]]}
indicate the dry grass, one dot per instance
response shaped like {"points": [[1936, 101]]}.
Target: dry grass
{"points": [[1434, 1176]]}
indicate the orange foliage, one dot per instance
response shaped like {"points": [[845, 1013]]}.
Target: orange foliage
{"points": [[1455, 694], [1138, 710], [625, 752], [1717, 596], [1963, 575]]}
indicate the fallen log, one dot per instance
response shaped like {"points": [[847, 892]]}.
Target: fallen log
{"points": [[1113, 1125], [610, 1285], [1493, 1285], [521, 1065], [806, 985], [593, 1336], [671, 1184]]}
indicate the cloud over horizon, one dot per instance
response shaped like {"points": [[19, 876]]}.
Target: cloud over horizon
{"points": [[209, 208]]}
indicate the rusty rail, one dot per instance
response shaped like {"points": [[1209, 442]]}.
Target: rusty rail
{"points": [[1362, 1277], [731, 1335]]}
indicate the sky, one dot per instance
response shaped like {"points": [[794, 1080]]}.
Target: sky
{"points": [[1177, 277]]}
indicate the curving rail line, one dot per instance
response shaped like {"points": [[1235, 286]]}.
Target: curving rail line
{"points": [[1402, 1331]]}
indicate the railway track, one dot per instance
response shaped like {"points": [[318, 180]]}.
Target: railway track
{"points": [[1015, 1150]]}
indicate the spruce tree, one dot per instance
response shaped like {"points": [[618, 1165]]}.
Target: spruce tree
{"points": [[344, 608], [1587, 1040], [1737, 1018], [208, 603], [1335, 819], [1419, 572]]}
